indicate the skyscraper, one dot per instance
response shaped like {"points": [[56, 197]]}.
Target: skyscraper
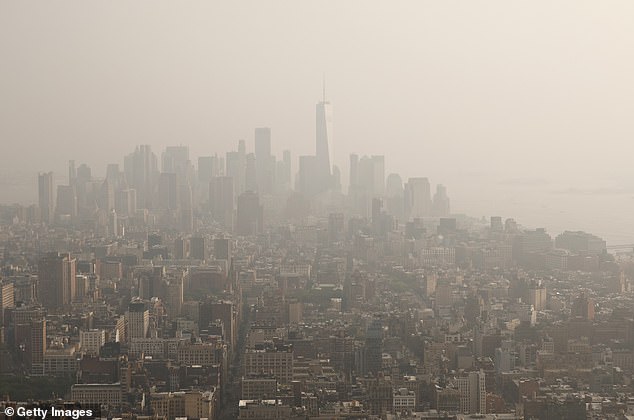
{"points": [[7, 298], [66, 201], [45, 196], [221, 190], [138, 318], [36, 346], [323, 141], [374, 346], [141, 171], [125, 202], [418, 198], [208, 168], [354, 170], [249, 220], [369, 174], [113, 175], [175, 159], [262, 142], [265, 162], [72, 172], [56, 280], [236, 163], [251, 179], [105, 196], [394, 194], [283, 173], [223, 249], [307, 182], [197, 249], [441, 201], [378, 175], [168, 191], [336, 231], [472, 393], [186, 208], [287, 166]]}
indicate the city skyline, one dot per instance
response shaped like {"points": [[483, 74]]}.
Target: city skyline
{"points": [[284, 210], [532, 216], [530, 103], [399, 87]]}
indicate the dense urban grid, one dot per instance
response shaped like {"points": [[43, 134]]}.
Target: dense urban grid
{"points": [[237, 286]]}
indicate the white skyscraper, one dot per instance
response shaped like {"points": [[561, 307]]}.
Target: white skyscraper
{"points": [[323, 142], [472, 393]]}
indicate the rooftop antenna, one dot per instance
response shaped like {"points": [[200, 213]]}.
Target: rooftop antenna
{"points": [[324, 86]]}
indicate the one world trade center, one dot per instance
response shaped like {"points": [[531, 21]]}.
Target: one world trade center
{"points": [[323, 143]]}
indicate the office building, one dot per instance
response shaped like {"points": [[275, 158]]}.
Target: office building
{"points": [[221, 196], [336, 228], [251, 176], [581, 243], [404, 400], [45, 197], [367, 176], [472, 390], [323, 143], [378, 175], [56, 280], [105, 196], [272, 409], [583, 307], [354, 170], [283, 177], [138, 319], [496, 224], [417, 198], [307, 182], [175, 159], [531, 242], [197, 248], [208, 167], [125, 202], [72, 172], [91, 341], [265, 162], [186, 209], [113, 175], [440, 205], [258, 387], [141, 173], [274, 360], [374, 347], [236, 168], [249, 220], [66, 202], [223, 249], [168, 192], [35, 347], [394, 196], [184, 404], [110, 395], [7, 299], [225, 312]]}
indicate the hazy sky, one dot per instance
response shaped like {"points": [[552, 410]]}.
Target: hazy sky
{"points": [[524, 91]]}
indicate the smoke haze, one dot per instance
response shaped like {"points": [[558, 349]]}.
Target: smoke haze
{"points": [[484, 97]]}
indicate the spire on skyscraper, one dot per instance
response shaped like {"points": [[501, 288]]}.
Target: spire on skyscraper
{"points": [[324, 87], [323, 139]]}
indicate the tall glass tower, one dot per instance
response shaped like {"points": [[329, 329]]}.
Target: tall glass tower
{"points": [[323, 139]]}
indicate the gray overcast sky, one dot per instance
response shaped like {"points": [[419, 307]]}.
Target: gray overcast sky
{"points": [[445, 89]]}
